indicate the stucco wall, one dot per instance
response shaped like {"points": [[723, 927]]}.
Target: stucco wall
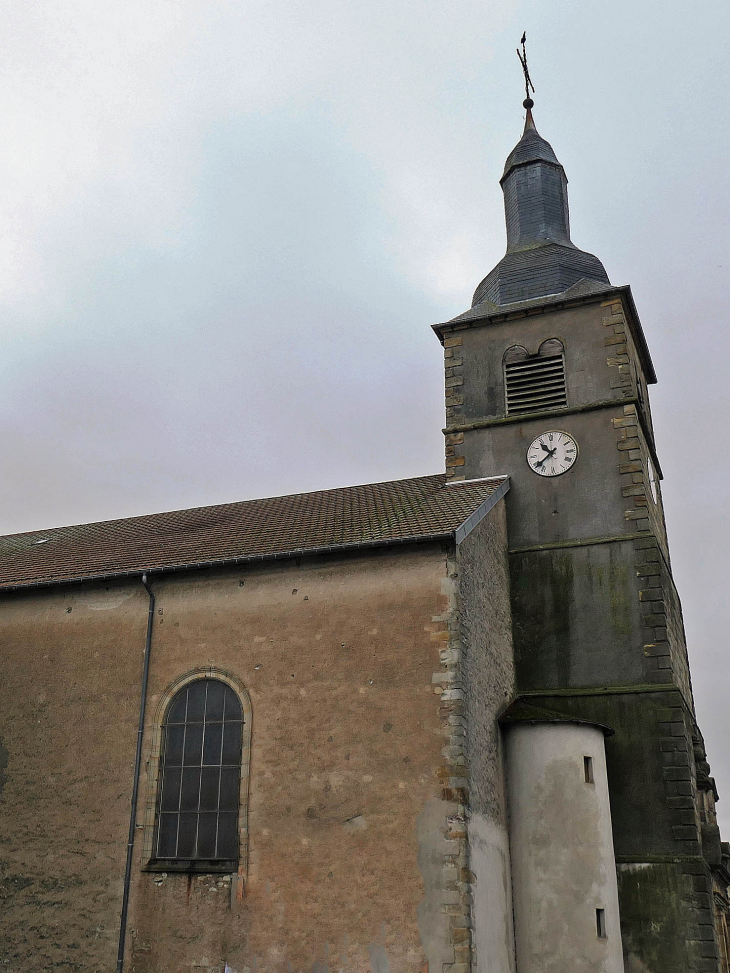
{"points": [[664, 883], [338, 658], [562, 850]]}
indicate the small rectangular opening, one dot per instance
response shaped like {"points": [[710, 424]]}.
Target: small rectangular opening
{"points": [[588, 769], [601, 923]]}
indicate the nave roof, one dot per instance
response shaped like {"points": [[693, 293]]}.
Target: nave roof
{"points": [[370, 515]]}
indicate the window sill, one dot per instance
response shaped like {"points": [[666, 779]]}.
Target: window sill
{"points": [[200, 866]]}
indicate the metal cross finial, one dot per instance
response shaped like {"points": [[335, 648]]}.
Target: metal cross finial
{"points": [[528, 102]]}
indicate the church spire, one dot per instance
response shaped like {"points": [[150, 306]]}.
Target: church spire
{"points": [[541, 259], [535, 192]]}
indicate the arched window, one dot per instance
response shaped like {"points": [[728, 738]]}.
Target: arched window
{"points": [[199, 779], [533, 383]]}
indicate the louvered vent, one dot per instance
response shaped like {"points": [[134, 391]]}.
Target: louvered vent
{"points": [[535, 383]]}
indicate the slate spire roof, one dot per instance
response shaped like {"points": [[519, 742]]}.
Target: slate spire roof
{"points": [[541, 259], [530, 148], [371, 515]]}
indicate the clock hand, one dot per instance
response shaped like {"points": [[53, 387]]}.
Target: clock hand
{"points": [[550, 454], [545, 448]]}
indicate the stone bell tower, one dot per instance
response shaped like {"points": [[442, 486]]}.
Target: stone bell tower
{"points": [[546, 380]]}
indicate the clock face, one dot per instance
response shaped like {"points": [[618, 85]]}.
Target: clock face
{"points": [[552, 453]]}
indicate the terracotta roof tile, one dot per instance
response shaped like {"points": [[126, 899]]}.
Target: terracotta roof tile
{"points": [[367, 515]]}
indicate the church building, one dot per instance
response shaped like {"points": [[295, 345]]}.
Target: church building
{"points": [[434, 725]]}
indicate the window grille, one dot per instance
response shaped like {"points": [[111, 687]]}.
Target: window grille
{"points": [[200, 775], [535, 383]]}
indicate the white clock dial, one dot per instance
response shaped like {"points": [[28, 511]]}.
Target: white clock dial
{"points": [[552, 453]]}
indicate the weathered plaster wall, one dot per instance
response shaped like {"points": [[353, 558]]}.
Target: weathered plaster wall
{"points": [[562, 850], [71, 665], [338, 658], [489, 680], [667, 917]]}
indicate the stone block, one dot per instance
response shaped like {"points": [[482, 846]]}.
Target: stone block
{"points": [[651, 594], [677, 773], [683, 832]]}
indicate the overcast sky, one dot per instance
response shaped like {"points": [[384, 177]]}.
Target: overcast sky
{"points": [[226, 227]]}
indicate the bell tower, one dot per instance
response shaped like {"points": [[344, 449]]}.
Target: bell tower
{"points": [[546, 380]]}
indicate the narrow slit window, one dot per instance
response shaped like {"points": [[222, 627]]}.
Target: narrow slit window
{"points": [[535, 382], [200, 774], [588, 769], [601, 923]]}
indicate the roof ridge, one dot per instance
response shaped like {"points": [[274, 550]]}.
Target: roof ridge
{"points": [[219, 506]]}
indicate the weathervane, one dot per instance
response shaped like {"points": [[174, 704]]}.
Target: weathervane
{"points": [[528, 102]]}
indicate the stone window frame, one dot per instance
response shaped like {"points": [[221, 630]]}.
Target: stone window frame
{"points": [[149, 813]]}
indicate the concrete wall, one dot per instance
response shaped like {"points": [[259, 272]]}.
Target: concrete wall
{"points": [[348, 820], [561, 843]]}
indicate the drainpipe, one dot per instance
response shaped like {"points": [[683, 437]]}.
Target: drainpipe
{"points": [[135, 787]]}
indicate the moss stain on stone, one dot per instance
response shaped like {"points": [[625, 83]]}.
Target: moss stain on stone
{"points": [[652, 901], [621, 596]]}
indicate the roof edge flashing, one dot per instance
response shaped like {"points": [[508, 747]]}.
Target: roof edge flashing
{"points": [[481, 512]]}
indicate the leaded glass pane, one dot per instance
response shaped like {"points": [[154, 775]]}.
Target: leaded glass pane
{"points": [[193, 744], [214, 703], [196, 701], [174, 741], [170, 800], [200, 775], [227, 836], [190, 792], [209, 788], [207, 828], [186, 835], [230, 779], [177, 710], [231, 743], [233, 705], [167, 836], [212, 744]]}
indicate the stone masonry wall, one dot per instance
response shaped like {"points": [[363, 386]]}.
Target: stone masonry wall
{"points": [[474, 684], [488, 661]]}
